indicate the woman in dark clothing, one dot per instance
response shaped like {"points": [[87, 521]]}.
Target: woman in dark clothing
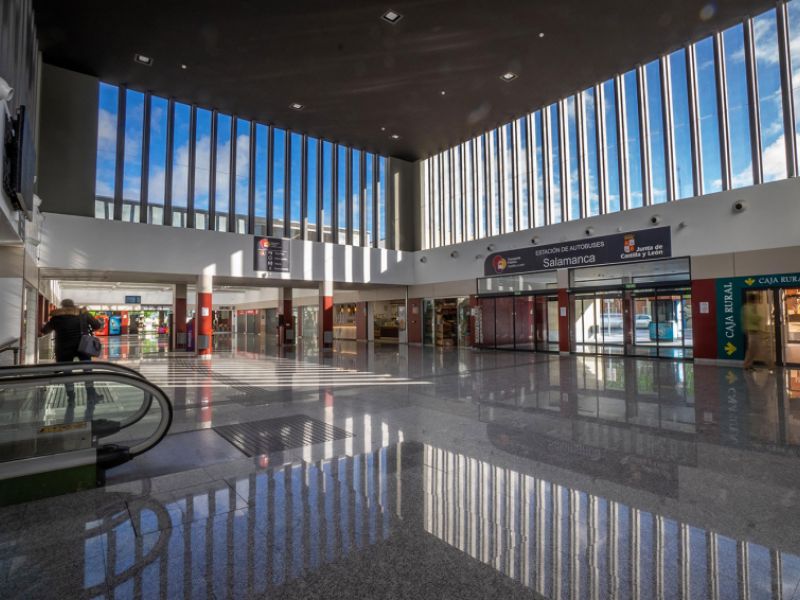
{"points": [[67, 324]]}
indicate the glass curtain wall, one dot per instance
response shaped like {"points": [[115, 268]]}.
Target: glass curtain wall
{"points": [[188, 166], [711, 116]]}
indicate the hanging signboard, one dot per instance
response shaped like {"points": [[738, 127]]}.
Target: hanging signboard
{"points": [[271, 254], [647, 244]]}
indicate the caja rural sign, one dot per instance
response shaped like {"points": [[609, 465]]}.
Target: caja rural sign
{"points": [[730, 296], [646, 244], [271, 254]]}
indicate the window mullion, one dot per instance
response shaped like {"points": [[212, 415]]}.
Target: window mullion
{"points": [[270, 177], [303, 187], [192, 159], [362, 213], [583, 161], [232, 177], [563, 156], [119, 166], [320, 191], [786, 89], [144, 191], [547, 175], [376, 220], [694, 119], [530, 162], [348, 196], [752, 87], [722, 108], [287, 184]]}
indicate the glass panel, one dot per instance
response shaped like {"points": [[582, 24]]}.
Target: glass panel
{"points": [[612, 148], [369, 171], [132, 175], [793, 9], [458, 195], [524, 323], [296, 186], [593, 200], [480, 179], [555, 166], [773, 150], [262, 134], [382, 187], [278, 180], [312, 170], [356, 191], [494, 174], [508, 175], [327, 191], [523, 181], [106, 150], [635, 197], [158, 160], [222, 191], [572, 161], [469, 194], [242, 190], [341, 193], [684, 183], [709, 116], [738, 102], [504, 322], [202, 169], [655, 113], [180, 163], [484, 337], [538, 164]]}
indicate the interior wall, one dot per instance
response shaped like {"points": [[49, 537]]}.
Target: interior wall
{"points": [[68, 145]]}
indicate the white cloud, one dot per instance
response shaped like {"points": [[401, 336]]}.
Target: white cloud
{"points": [[106, 132]]}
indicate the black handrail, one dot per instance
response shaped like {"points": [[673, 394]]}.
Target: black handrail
{"points": [[11, 346]]}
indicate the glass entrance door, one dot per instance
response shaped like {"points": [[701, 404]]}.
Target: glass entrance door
{"points": [[662, 323], [598, 323], [518, 323], [790, 325], [524, 320]]}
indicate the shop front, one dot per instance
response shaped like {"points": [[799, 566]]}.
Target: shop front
{"points": [[388, 320]]}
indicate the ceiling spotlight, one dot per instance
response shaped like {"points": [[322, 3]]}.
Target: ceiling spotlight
{"points": [[443, 92], [395, 136], [143, 60], [296, 106], [391, 16], [383, 128], [184, 67], [541, 34], [508, 76]]}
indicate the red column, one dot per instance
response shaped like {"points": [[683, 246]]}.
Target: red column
{"points": [[203, 319], [286, 333], [361, 321], [704, 318], [563, 321], [179, 340], [326, 314]]}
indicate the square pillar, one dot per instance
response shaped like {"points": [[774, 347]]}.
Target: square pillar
{"points": [[204, 319], [179, 339]]}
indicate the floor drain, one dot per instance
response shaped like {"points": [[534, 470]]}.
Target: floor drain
{"points": [[282, 433]]}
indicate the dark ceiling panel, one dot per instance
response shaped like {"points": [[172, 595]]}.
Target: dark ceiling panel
{"points": [[356, 74]]}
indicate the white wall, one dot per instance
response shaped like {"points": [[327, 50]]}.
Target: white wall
{"points": [[772, 220], [81, 243]]}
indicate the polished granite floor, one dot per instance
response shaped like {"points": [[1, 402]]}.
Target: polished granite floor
{"points": [[466, 474]]}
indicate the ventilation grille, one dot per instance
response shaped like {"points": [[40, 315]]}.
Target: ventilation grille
{"points": [[283, 433]]}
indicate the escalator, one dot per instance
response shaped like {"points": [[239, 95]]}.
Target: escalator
{"points": [[62, 425]]}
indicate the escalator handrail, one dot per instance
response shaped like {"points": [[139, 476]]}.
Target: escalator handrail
{"points": [[61, 367], [151, 390]]}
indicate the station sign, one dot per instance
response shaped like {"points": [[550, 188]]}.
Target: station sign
{"points": [[730, 296], [647, 244], [133, 299], [271, 254]]}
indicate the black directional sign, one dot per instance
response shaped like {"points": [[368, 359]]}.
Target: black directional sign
{"points": [[271, 254]]}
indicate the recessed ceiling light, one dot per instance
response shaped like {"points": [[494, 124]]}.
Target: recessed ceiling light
{"points": [[395, 136], [443, 92], [143, 60], [184, 67], [296, 106], [383, 128], [541, 34], [391, 16], [508, 76]]}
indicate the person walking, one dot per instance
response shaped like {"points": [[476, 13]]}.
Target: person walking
{"points": [[69, 323]]}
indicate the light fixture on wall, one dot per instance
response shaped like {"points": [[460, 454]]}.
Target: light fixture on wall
{"points": [[739, 206], [655, 219], [423, 259], [682, 225], [589, 230], [478, 256], [535, 240], [454, 254], [490, 248]]}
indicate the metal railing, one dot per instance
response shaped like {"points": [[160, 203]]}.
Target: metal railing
{"points": [[12, 346]]}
